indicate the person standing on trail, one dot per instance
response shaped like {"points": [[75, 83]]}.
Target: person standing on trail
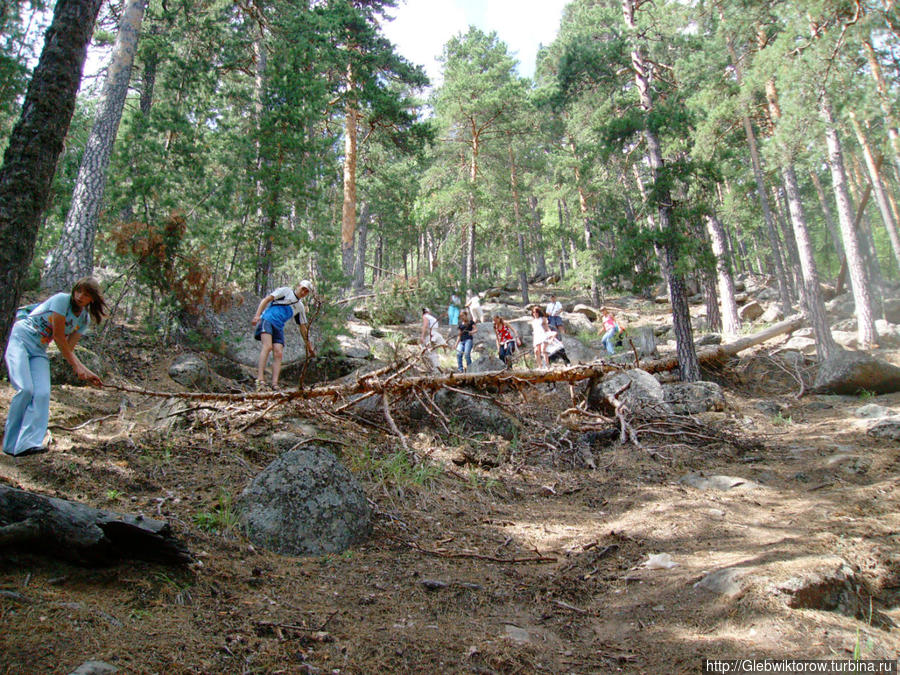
{"points": [[464, 341], [507, 340], [273, 312], [611, 326], [554, 314], [431, 336], [540, 331], [453, 312], [473, 304], [63, 318]]}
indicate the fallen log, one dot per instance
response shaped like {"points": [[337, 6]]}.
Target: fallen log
{"points": [[372, 383], [82, 534]]}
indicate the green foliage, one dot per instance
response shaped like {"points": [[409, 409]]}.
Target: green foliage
{"points": [[222, 519], [394, 469]]}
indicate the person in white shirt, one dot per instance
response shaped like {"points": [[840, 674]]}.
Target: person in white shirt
{"points": [[273, 312], [431, 336], [554, 312], [473, 304], [540, 331]]}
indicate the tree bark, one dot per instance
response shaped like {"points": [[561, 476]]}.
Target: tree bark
{"points": [[755, 161], [359, 276], [36, 142], [82, 534], [348, 211], [886, 101], [731, 322], [875, 180], [517, 224], [815, 308], [829, 217], [855, 263], [681, 317], [537, 229], [73, 256]]}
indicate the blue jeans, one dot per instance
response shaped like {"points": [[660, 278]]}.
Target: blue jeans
{"points": [[608, 340], [464, 347], [29, 410]]}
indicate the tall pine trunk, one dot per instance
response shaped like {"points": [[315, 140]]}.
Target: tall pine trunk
{"points": [[784, 291], [855, 264], [731, 322], [348, 209], [73, 256], [881, 198], [36, 143], [681, 317]]}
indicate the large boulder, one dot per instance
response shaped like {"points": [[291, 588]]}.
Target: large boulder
{"points": [[61, 371], [304, 503], [691, 398], [191, 371], [587, 310], [644, 394], [892, 310], [643, 338], [840, 307], [751, 311], [473, 414], [575, 322], [852, 372], [232, 331]]}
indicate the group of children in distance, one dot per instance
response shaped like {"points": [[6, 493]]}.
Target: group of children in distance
{"points": [[546, 327]]}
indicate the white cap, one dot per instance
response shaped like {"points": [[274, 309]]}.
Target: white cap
{"points": [[307, 284]]}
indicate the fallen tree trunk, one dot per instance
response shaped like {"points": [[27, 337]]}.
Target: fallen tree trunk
{"points": [[372, 383], [82, 534]]}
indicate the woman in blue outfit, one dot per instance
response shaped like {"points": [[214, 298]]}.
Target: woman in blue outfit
{"points": [[63, 319], [465, 341]]}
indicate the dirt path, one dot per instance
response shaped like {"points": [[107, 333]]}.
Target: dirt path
{"points": [[435, 590]]}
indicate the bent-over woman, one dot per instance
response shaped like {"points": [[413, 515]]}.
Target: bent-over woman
{"points": [[63, 318]]}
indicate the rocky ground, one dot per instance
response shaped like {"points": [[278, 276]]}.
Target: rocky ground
{"points": [[767, 529]]}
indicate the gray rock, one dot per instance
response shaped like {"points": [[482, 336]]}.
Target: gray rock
{"points": [[771, 408], [643, 338], [354, 348], [846, 339], [94, 668], [504, 311], [851, 372], [888, 429], [892, 310], [588, 311], [644, 394], [61, 371], [284, 440], [473, 414], [691, 398], [873, 410], [751, 311], [575, 322], [233, 330], [516, 634], [304, 503], [831, 584], [191, 371], [708, 339], [716, 482], [801, 344], [772, 314], [840, 307], [726, 581], [486, 363]]}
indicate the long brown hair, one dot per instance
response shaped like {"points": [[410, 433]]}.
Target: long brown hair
{"points": [[97, 307]]}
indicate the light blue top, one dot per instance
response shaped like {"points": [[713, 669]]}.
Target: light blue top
{"points": [[38, 320], [453, 314]]}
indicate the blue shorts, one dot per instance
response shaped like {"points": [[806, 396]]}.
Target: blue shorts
{"points": [[273, 329], [554, 321]]}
